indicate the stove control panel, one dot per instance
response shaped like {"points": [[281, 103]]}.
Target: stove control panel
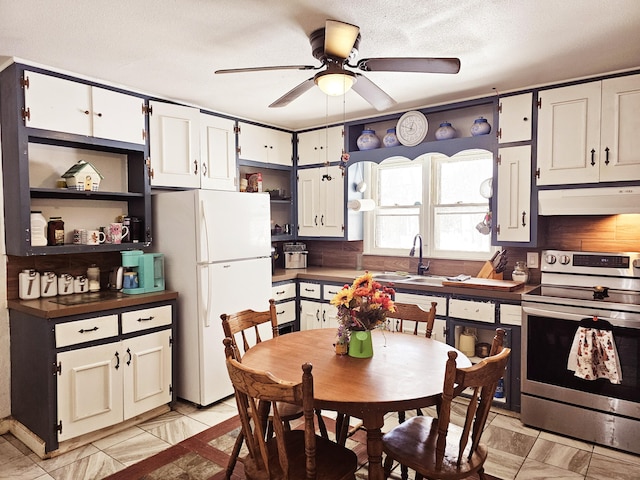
{"points": [[592, 263]]}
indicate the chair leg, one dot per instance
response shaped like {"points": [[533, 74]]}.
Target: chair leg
{"points": [[481, 474], [233, 458], [388, 464], [321, 424], [401, 417], [342, 428]]}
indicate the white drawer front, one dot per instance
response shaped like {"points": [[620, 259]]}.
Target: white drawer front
{"points": [[137, 320], [286, 312], [472, 310], [281, 292], [510, 314], [86, 330], [310, 290], [424, 301], [329, 291]]}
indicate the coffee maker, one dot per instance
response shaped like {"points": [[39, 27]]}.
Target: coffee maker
{"points": [[143, 272]]}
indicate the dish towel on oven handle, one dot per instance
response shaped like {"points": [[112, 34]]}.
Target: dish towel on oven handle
{"points": [[593, 355]]}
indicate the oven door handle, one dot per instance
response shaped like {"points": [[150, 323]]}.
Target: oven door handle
{"points": [[540, 312]]}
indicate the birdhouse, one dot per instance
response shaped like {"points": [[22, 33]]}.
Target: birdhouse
{"points": [[83, 176]]}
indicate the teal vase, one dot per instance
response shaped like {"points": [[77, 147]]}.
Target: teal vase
{"points": [[360, 344]]}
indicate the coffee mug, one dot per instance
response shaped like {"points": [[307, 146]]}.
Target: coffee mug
{"points": [[115, 232], [95, 237], [79, 236]]}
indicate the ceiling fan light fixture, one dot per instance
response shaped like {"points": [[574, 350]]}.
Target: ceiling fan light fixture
{"points": [[335, 83]]}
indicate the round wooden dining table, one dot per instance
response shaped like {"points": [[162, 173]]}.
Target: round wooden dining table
{"points": [[406, 372]]}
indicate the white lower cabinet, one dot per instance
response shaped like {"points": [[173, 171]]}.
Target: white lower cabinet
{"points": [[317, 315], [107, 384]]}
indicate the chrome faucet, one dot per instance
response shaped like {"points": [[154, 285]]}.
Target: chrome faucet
{"points": [[422, 268]]}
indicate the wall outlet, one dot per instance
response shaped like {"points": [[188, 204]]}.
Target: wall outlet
{"points": [[532, 259]]}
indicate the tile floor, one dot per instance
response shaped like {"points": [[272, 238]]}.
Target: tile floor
{"points": [[516, 451]]}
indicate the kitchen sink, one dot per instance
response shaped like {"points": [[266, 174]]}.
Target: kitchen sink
{"points": [[415, 279], [391, 277]]}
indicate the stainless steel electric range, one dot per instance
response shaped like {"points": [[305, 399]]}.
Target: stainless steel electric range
{"points": [[600, 291]]}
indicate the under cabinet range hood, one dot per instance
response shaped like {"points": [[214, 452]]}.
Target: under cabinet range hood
{"points": [[589, 201]]}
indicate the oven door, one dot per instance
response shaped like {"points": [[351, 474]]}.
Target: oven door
{"points": [[547, 336]]}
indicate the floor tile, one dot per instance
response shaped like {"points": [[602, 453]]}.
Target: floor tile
{"points": [[612, 468], [568, 458], [67, 458], [137, 448], [20, 468], [116, 438], [177, 429], [509, 441], [569, 442], [533, 470], [95, 467], [611, 453], [502, 464]]}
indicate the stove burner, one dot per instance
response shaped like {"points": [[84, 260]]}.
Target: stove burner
{"points": [[600, 293]]}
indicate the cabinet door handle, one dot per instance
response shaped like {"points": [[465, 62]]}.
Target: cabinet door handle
{"points": [[147, 319], [86, 112], [195, 166], [593, 157], [280, 292], [524, 223], [315, 220], [130, 356], [99, 114], [322, 220], [117, 360], [606, 156], [204, 169], [82, 330]]}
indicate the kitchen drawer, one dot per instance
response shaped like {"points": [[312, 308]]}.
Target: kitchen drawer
{"points": [[286, 312], [87, 330], [510, 314], [329, 291], [310, 290], [284, 291], [424, 301], [145, 318], [472, 310]]}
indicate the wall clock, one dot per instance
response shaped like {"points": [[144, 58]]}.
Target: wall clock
{"points": [[412, 128]]}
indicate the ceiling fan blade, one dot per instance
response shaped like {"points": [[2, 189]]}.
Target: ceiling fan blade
{"points": [[372, 93], [410, 64], [264, 69], [339, 38], [291, 95]]}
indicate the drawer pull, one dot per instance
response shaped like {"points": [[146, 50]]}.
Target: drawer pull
{"points": [[280, 313], [148, 319], [130, 357], [281, 292], [117, 360], [83, 330]]}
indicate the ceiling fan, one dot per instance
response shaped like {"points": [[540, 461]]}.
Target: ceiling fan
{"points": [[336, 45]]}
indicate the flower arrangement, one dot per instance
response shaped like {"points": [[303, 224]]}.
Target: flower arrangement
{"points": [[364, 305]]}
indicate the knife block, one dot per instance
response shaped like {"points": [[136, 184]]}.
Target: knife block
{"points": [[487, 272]]}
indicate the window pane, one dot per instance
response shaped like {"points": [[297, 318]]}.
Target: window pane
{"points": [[397, 230], [456, 229], [400, 186], [460, 180]]}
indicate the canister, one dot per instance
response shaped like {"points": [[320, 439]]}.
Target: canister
{"points": [[80, 284], [38, 229], [48, 284], [28, 284], [55, 231], [65, 284], [467, 343]]}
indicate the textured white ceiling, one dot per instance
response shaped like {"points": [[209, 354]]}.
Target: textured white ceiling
{"points": [[170, 48]]}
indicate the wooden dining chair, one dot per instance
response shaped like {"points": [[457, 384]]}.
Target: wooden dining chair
{"points": [[438, 449], [404, 312], [288, 454], [242, 329]]}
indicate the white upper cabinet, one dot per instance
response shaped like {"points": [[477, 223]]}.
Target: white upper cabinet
{"points": [[174, 144], [265, 145], [218, 153], [587, 133], [513, 222], [53, 103], [515, 118], [321, 202], [320, 146]]}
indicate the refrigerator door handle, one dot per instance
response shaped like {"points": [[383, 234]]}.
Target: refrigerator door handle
{"points": [[207, 319], [205, 228]]}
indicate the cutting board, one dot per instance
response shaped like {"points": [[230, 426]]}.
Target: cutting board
{"points": [[485, 284]]}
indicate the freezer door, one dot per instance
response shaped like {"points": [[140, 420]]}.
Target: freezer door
{"points": [[233, 226], [227, 287]]}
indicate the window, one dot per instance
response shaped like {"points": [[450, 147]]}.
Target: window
{"points": [[434, 195]]}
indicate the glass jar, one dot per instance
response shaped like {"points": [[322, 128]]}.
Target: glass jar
{"points": [[55, 231], [368, 140], [520, 272]]}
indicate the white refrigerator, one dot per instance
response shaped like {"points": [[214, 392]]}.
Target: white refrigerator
{"points": [[217, 248]]}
